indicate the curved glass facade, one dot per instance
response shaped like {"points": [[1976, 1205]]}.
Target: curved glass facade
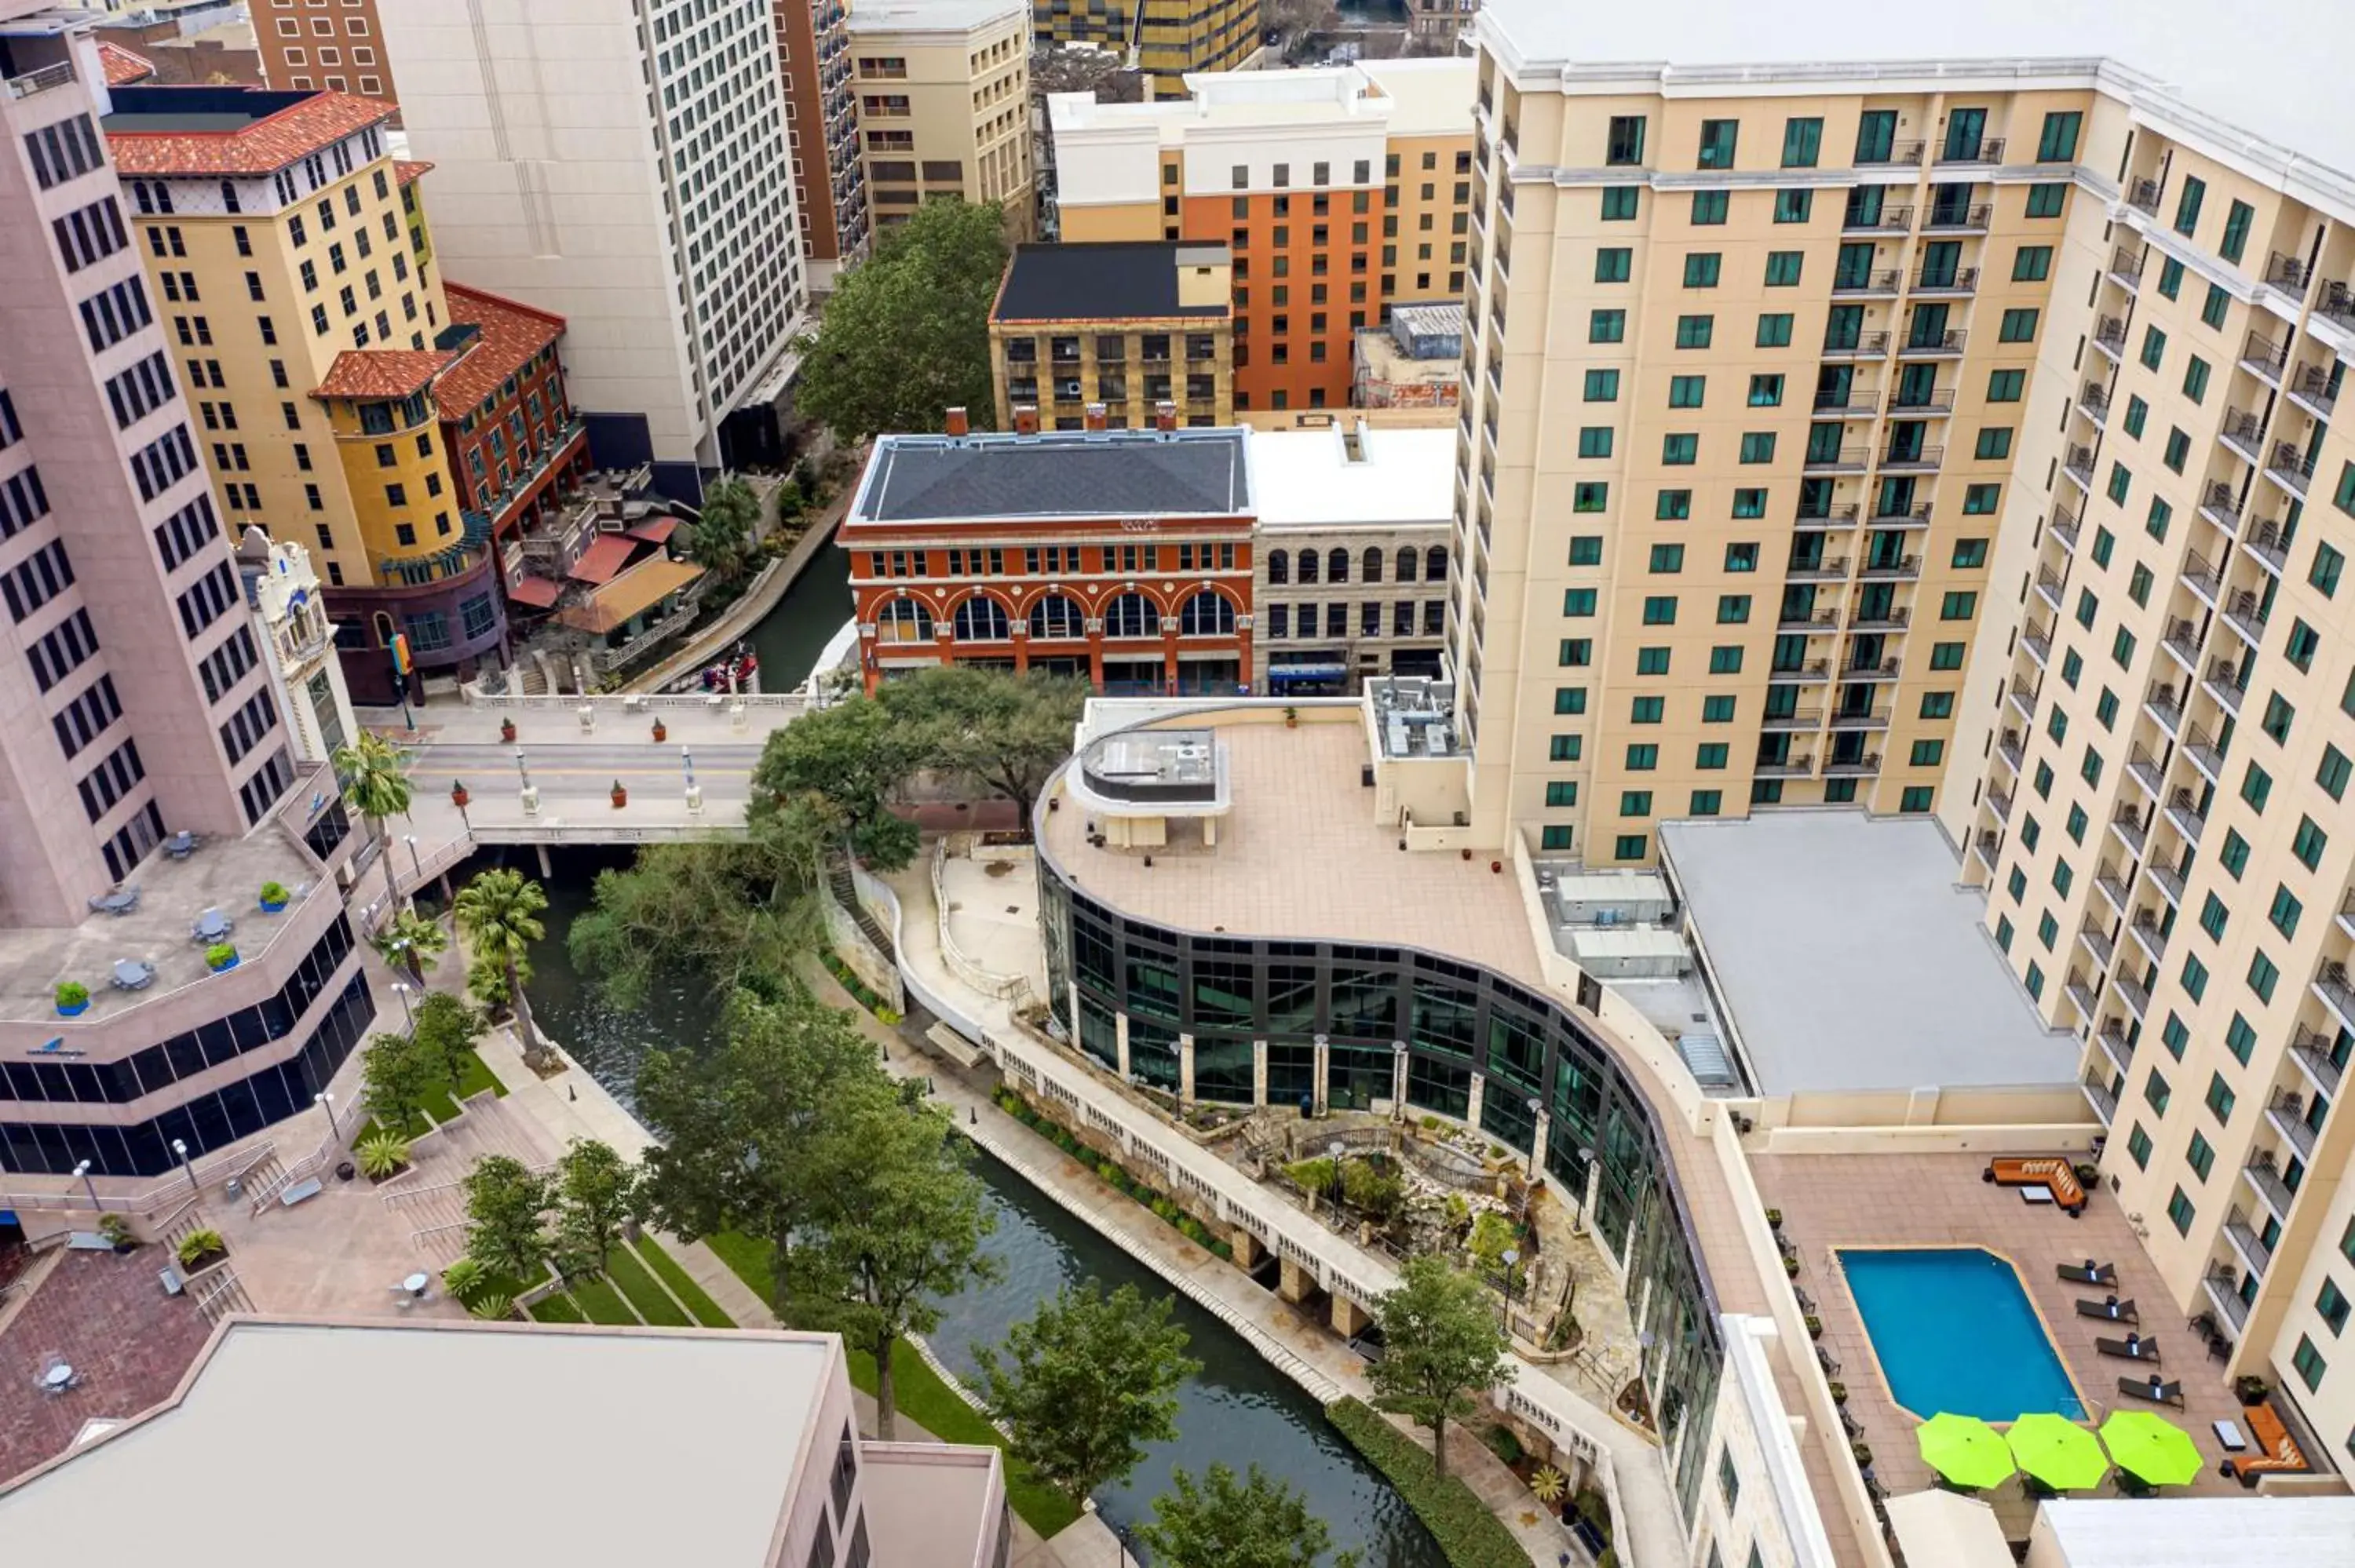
{"points": [[1455, 1020]]}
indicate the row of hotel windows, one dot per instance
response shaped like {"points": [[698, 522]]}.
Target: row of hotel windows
{"points": [[1110, 348], [1434, 561], [209, 1121], [1062, 560], [980, 619], [1966, 140], [1281, 623]]}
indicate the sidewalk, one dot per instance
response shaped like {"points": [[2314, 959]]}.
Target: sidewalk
{"points": [[1301, 1348]]}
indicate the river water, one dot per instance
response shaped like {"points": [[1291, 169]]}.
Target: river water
{"points": [[790, 637], [1236, 1409]]}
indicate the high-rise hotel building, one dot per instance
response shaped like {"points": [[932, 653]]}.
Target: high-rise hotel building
{"points": [[1945, 425]]}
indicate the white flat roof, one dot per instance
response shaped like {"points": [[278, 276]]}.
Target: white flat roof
{"points": [[2200, 1532], [1432, 96], [1847, 956], [1304, 479], [2278, 69], [926, 15], [303, 1443]]}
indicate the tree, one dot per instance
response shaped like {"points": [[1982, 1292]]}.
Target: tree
{"points": [[721, 540], [906, 336], [902, 1231], [751, 1135], [499, 913], [375, 782], [506, 1210], [1087, 1381], [1441, 1345], [397, 1074], [1221, 1522], [446, 1031], [853, 756], [411, 940], [1004, 732], [596, 1192]]}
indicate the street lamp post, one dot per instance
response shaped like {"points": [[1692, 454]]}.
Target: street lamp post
{"points": [[181, 1148], [531, 794], [88, 1186], [401, 989], [327, 1103], [693, 790]]}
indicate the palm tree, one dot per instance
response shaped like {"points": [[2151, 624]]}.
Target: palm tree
{"points": [[374, 780], [410, 940], [499, 913]]}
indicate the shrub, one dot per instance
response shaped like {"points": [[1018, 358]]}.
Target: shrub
{"points": [[464, 1277], [196, 1245], [115, 1229], [1503, 1444], [1774, 1219], [381, 1153], [1469, 1534], [1840, 1393], [275, 893], [219, 956], [1596, 1509], [1814, 1327], [492, 1308], [1313, 1176], [72, 993]]}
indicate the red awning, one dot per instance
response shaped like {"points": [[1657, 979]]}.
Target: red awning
{"points": [[537, 593], [600, 560], [653, 530]]}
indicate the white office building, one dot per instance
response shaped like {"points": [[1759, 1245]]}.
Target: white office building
{"points": [[622, 163]]}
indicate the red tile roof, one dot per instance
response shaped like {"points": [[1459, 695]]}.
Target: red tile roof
{"points": [[600, 560], [381, 374], [406, 170], [509, 335], [123, 67], [537, 593], [263, 147]]}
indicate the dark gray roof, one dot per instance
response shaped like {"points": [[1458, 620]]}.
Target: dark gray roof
{"points": [[1105, 281], [1114, 474]]}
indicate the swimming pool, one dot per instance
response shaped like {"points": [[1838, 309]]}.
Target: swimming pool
{"points": [[1952, 1329]]}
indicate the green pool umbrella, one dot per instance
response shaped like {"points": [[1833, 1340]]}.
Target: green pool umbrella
{"points": [[2147, 1444], [2058, 1452], [1964, 1449]]}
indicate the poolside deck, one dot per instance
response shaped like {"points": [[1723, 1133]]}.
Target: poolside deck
{"points": [[1829, 1202]]}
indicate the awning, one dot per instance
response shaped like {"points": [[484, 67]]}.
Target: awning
{"points": [[600, 560], [1280, 672], [537, 593], [653, 531], [1942, 1529], [630, 594]]}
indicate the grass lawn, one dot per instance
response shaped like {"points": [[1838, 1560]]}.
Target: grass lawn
{"points": [[924, 1398], [707, 1311], [556, 1308], [630, 1277], [600, 1301], [441, 1105]]}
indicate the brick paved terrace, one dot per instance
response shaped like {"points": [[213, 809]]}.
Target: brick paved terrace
{"points": [[1831, 1202], [110, 1320]]}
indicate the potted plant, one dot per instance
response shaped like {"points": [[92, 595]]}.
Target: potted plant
{"points": [[73, 998], [1548, 1484], [1291, 717], [507, 731], [382, 1154], [2250, 1390], [1840, 1393], [1791, 1267], [199, 1248], [221, 956], [1773, 1219], [117, 1232], [274, 897], [458, 796], [1862, 1453], [1814, 1327], [662, 733], [2089, 1175]]}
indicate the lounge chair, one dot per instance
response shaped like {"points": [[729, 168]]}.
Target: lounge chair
{"points": [[2140, 1351], [2055, 1174], [2281, 1455], [2113, 1311], [2088, 1272], [2154, 1392]]}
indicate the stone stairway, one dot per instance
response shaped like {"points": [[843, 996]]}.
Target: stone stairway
{"points": [[846, 892], [432, 1199]]}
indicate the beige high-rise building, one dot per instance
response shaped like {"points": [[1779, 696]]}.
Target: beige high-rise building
{"points": [[1957, 441], [944, 91]]}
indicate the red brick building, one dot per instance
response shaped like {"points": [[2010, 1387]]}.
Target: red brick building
{"points": [[1123, 556]]}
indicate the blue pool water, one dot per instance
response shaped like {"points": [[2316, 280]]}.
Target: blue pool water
{"points": [[1953, 1330]]}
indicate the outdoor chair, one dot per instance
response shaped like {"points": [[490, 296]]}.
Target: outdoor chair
{"points": [[2113, 1311], [2140, 1351], [2088, 1272], [2144, 1388]]}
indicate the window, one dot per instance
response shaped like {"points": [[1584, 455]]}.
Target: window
{"points": [[1716, 710], [2324, 574], [2047, 930], [1594, 442], [1958, 606], [1587, 549], [2195, 979], [1994, 444], [1742, 558], [2302, 643], [2200, 1155], [1707, 208], [1561, 792], [1695, 332], [2285, 911], [1553, 838], [2179, 1212], [2155, 1093], [1623, 144], [1937, 704], [1803, 142], [1647, 710], [2256, 787], [1569, 700], [1672, 505], [1575, 652], [2308, 844], [2263, 976], [2154, 350], [2139, 1145], [2237, 219], [1927, 753], [1660, 609], [1946, 655], [1578, 603], [2239, 1038], [2332, 1305], [1782, 268], [1619, 203], [1667, 558], [1606, 326], [1652, 660], [2186, 204], [1614, 264], [2136, 412], [2005, 386], [2195, 384], [2018, 326], [1686, 391], [2058, 144], [1629, 846], [1563, 748], [1591, 495], [2031, 263], [1794, 207], [1979, 500], [2178, 451], [1706, 802], [1758, 446], [1749, 501], [2046, 200], [2235, 856], [1774, 330], [1732, 609], [1765, 392], [2212, 916], [1679, 451], [1718, 138], [2308, 1362]]}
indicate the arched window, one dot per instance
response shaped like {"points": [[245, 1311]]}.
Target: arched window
{"points": [[1336, 566], [1279, 567], [1434, 564], [981, 619], [903, 620], [1407, 557], [1208, 614], [1057, 616], [1371, 569], [1132, 615], [1308, 566]]}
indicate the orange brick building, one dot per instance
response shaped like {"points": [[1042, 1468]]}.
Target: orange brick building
{"points": [[1122, 556]]}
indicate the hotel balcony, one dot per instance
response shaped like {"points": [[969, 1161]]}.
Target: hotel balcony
{"points": [[2224, 1296], [1988, 150], [2311, 390], [1800, 767], [2078, 464], [2245, 614], [1875, 284], [1986, 844], [2243, 434], [2239, 1234], [2079, 992], [2142, 196], [2137, 999], [2201, 576], [2264, 1179], [1946, 282], [2347, 914], [2290, 468], [2064, 528], [1857, 403], [2144, 771], [1863, 719], [2183, 812], [1899, 569], [2098, 1096], [1797, 720], [1917, 517], [2337, 302], [1999, 803], [1831, 570], [2132, 831], [2206, 753], [2285, 1113], [2036, 641], [2148, 936], [1837, 517], [2263, 358], [1948, 343], [1844, 460], [2333, 988], [2320, 1060], [2097, 942], [2266, 542], [2170, 883], [2288, 274], [2164, 704], [1856, 346], [1942, 218], [1900, 154], [1919, 405], [1812, 671], [2225, 686], [1821, 624], [2110, 338], [1916, 459], [2221, 505], [2110, 886], [1895, 618], [2114, 1044], [1895, 217], [2093, 402], [1861, 767], [2181, 643], [2049, 587], [2021, 694], [2126, 270]]}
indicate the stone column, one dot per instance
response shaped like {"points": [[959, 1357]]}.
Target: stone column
{"points": [[1185, 1070], [1538, 1141], [1472, 1106], [1120, 1035], [1294, 1283], [1398, 1080], [1324, 1073], [1349, 1320], [1246, 1245], [1259, 1074]]}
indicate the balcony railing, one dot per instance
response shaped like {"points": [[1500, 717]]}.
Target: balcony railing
{"points": [[1950, 340], [1895, 217], [2098, 1095], [2077, 462], [2181, 642], [2256, 1256], [1832, 568], [2110, 336], [2287, 272], [2264, 1179], [1797, 719], [2286, 1113], [1856, 405], [2338, 303], [2146, 930], [2093, 402], [2245, 614], [1923, 459], [2142, 196], [2036, 640], [2183, 812], [2225, 684], [2064, 528], [2126, 267], [2170, 883], [2244, 433], [2290, 468], [2144, 771], [1954, 219], [2221, 504], [1860, 767], [2049, 588], [2263, 358], [2115, 1046], [2225, 1295], [2205, 752], [2330, 985], [1988, 844], [1917, 517], [2079, 992], [1989, 150], [1899, 154], [1856, 345], [2127, 823], [1800, 767], [1843, 459], [1884, 617], [1999, 803], [1836, 517], [1947, 281], [2126, 989], [1898, 568], [2165, 704], [1866, 283], [2201, 576], [2007, 747], [1941, 401], [1809, 670], [2269, 545], [2313, 1054], [2097, 942], [1861, 718], [2311, 389]]}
